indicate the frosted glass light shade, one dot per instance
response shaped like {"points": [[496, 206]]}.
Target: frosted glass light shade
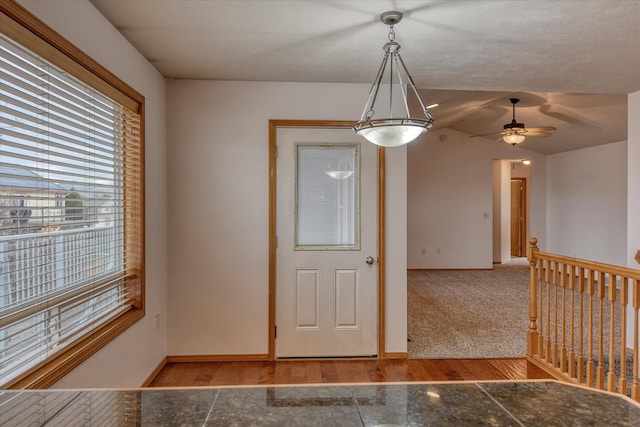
{"points": [[513, 138], [339, 174], [391, 134]]}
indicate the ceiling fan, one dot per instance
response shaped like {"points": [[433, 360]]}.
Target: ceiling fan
{"points": [[514, 133]]}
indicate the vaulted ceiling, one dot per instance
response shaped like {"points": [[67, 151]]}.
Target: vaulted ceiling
{"points": [[571, 62]]}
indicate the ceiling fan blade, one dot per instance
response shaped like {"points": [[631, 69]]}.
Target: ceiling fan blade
{"points": [[541, 128], [538, 133], [486, 134]]}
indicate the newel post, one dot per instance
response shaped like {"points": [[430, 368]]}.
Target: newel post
{"points": [[532, 332]]}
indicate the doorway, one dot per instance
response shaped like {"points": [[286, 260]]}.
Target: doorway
{"points": [[518, 217]]}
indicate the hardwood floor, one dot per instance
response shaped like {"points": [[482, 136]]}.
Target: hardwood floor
{"points": [[184, 374]]}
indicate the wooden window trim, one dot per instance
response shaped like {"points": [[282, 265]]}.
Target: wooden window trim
{"points": [[19, 24]]}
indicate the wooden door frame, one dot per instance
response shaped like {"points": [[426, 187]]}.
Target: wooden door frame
{"points": [[523, 230], [341, 124]]}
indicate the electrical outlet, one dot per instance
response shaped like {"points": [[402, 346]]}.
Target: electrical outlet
{"points": [[157, 320], [424, 251]]}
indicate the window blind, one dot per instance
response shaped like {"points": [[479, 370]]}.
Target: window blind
{"points": [[70, 214], [327, 202]]}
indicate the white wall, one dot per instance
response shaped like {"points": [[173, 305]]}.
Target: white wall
{"points": [[219, 209], [396, 254], [496, 209], [633, 198], [130, 358], [450, 199], [587, 203], [633, 180], [501, 210], [537, 195]]}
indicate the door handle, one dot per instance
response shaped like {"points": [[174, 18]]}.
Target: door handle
{"points": [[369, 260]]}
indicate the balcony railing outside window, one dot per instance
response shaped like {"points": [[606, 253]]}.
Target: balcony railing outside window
{"points": [[53, 286]]}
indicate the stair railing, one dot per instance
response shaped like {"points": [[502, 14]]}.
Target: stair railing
{"points": [[583, 321]]}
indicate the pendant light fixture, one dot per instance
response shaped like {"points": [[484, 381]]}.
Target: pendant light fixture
{"points": [[392, 131]]}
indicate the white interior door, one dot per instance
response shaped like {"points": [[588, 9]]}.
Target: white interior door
{"points": [[326, 286]]}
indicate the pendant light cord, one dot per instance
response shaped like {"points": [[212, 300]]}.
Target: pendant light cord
{"points": [[392, 38]]}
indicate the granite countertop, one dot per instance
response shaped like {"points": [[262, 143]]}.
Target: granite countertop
{"points": [[526, 403]]}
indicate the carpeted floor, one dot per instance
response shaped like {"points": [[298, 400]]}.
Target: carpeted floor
{"points": [[457, 314], [468, 313]]}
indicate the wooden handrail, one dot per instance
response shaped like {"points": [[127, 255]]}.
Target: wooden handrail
{"points": [[591, 265], [590, 301]]}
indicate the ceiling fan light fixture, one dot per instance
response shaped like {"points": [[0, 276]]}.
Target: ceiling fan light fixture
{"points": [[513, 138], [393, 131], [514, 133]]}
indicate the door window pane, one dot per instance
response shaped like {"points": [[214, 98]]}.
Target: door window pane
{"points": [[327, 197]]}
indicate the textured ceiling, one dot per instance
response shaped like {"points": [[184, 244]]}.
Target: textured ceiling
{"points": [[571, 61]]}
